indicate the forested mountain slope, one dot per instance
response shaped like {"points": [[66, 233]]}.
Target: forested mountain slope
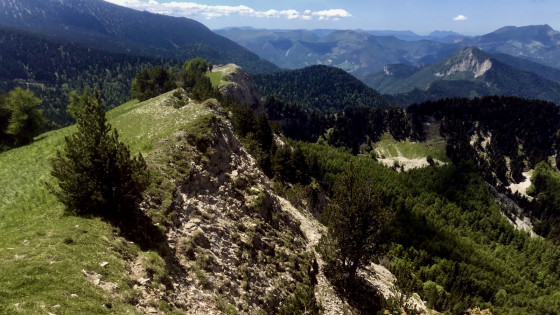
{"points": [[322, 88], [106, 26], [53, 68], [467, 73]]}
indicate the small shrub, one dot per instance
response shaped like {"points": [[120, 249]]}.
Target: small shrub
{"points": [[156, 268], [225, 307], [430, 160], [302, 301], [202, 277]]}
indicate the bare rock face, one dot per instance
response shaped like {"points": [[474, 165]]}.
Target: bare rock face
{"points": [[239, 86], [470, 63], [234, 245]]}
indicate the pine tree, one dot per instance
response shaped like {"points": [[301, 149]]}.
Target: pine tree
{"points": [[151, 82], [357, 217], [195, 80], [95, 172], [26, 120]]}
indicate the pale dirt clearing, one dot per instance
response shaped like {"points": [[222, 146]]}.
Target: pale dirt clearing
{"points": [[521, 188], [408, 164]]}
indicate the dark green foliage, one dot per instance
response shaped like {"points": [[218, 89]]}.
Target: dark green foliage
{"points": [[356, 218], [296, 122], [449, 242], [106, 26], [195, 80], [349, 128], [301, 302], [546, 189], [5, 139], [151, 82], [354, 127], [322, 88], [256, 134], [53, 68], [20, 118], [95, 173], [523, 130]]}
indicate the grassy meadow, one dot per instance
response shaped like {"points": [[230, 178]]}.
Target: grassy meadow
{"points": [[42, 250]]}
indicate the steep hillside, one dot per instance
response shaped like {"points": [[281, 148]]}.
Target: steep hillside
{"points": [[226, 238], [216, 237], [390, 76], [477, 74], [53, 68], [322, 88], [106, 26]]}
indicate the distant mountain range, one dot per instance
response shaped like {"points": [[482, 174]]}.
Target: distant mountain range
{"points": [[467, 73], [110, 27], [356, 52], [365, 52]]}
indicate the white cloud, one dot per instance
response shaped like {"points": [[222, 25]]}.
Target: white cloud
{"points": [[216, 11], [333, 14], [460, 17]]}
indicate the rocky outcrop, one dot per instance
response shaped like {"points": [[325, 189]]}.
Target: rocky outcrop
{"points": [[234, 246], [238, 85], [470, 63]]}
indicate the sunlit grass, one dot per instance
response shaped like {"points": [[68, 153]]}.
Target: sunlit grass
{"points": [[43, 251], [388, 147], [215, 78]]}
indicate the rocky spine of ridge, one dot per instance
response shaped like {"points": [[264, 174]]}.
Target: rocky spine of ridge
{"points": [[233, 245], [239, 86]]}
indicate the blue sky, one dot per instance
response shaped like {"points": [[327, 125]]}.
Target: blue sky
{"points": [[470, 17]]}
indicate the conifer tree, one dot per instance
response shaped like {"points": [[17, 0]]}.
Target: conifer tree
{"points": [[95, 172], [25, 119], [195, 80], [150, 83], [357, 216]]}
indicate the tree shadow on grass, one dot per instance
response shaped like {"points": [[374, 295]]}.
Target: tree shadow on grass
{"points": [[137, 227]]}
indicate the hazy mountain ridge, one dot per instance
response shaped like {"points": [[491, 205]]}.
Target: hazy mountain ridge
{"points": [[357, 52], [364, 53], [475, 73], [539, 43]]}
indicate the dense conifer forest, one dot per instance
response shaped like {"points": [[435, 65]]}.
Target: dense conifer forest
{"points": [[53, 68], [323, 88]]}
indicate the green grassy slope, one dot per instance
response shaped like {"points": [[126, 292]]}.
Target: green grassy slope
{"points": [[42, 251], [390, 148]]}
